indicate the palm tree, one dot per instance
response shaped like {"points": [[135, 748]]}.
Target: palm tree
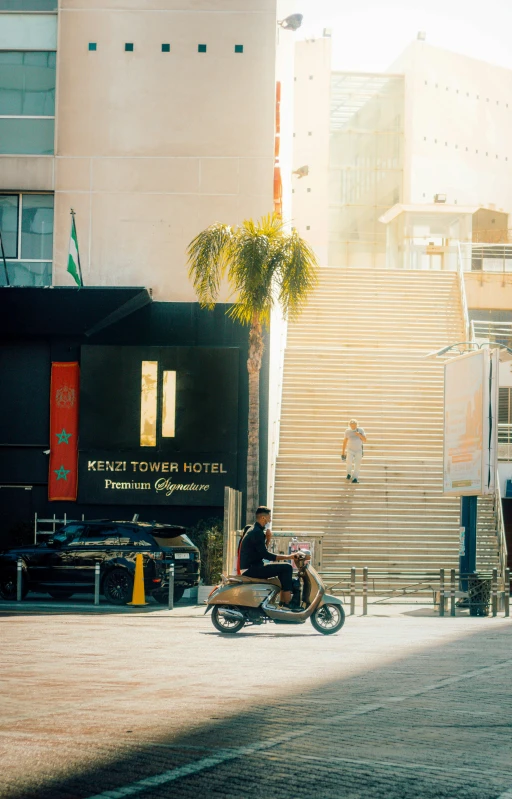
{"points": [[264, 264]]}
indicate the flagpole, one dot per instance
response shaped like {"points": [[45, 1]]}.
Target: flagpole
{"points": [[77, 249], [3, 258]]}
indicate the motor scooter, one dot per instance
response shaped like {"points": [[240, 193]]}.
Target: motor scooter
{"points": [[240, 601]]}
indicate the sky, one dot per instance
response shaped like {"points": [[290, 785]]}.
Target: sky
{"points": [[368, 35]]}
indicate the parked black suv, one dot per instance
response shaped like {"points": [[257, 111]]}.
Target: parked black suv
{"points": [[64, 565]]}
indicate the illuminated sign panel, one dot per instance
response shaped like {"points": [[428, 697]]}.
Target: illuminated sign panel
{"points": [[159, 425], [470, 423]]}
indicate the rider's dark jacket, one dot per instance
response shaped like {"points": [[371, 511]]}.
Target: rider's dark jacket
{"points": [[253, 550]]}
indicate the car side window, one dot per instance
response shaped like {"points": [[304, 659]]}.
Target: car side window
{"points": [[100, 535], [69, 534], [141, 539]]}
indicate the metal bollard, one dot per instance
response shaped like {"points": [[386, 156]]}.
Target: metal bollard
{"points": [[19, 579], [494, 592], [507, 592], [96, 583], [452, 592], [365, 591], [352, 591], [441, 592], [171, 586]]}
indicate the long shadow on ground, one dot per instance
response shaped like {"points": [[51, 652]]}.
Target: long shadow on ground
{"points": [[434, 724]]}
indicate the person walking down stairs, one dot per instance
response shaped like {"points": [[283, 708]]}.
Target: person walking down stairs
{"points": [[352, 451]]}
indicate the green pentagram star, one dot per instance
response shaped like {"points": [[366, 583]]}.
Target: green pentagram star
{"points": [[63, 437], [62, 473]]}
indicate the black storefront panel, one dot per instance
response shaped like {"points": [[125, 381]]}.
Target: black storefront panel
{"points": [[191, 467]]}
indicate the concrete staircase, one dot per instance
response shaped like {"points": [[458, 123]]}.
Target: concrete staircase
{"points": [[358, 351]]}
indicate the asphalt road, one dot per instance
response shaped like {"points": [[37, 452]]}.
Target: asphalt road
{"points": [[158, 704]]}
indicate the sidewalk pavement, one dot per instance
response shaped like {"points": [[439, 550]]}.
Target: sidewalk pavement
{"points": [[397, 705]]}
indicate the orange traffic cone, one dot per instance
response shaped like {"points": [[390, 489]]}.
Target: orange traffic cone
{"points": [[138, 596]]}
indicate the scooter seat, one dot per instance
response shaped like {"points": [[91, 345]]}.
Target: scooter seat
{"points": [[241, 578]]}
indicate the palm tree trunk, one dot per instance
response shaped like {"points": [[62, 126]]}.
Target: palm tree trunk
{"points": [[253, 444]]}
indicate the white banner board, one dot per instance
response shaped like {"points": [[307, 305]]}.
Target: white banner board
{"points": [[471, 423]]}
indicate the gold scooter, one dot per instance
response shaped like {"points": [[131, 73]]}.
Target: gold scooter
{"points": [[241, 600]]}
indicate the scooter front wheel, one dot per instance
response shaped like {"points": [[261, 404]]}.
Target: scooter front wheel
{"points": [[223, 623], [328, 619]]}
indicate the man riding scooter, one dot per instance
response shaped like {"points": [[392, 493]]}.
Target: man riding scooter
{"points": [[253, 552]]}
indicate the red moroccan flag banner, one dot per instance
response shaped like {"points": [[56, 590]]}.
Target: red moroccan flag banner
{"points": [[64, 387]]}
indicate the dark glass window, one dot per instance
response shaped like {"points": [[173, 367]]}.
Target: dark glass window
{"points": [[27, 83], [26, 224], [9, 216], [28, 5], [27, 102], [239, 48], [201, 48], [69, 534], [166, 48], [92, 46], [129, 47], [103, 535], [37, 227]]}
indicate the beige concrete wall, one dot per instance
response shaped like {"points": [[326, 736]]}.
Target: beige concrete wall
{"points": [[310, 198], [26, 172], [152, 147], [489, 290], [458, 116]]}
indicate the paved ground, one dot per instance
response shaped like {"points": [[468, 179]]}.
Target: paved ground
{"points": [[157, 704]]}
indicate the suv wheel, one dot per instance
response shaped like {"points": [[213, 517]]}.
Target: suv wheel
{"points": [[118, 587], [162, 597]]}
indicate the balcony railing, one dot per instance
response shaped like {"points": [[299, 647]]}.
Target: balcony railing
{"points": [[493, 332]]}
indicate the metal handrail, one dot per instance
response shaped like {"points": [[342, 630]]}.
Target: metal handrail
{"points": [[276, 427], [491, 330], [504, 433], [462, 287], [500, 532]]}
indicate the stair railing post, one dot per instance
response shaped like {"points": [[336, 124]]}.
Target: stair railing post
{"points": [[441, 592], [452, 592], [494, 592], [507, 592], [352, 591], [365, 591]]}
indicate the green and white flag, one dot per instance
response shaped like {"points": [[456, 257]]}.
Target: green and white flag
{"points": [[74, 258]]}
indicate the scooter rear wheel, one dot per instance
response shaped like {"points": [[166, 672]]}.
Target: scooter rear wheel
{"points": [[328, 619], [224, 624]]}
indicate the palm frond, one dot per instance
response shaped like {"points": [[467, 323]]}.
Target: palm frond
{"points": [[296, 273], [207, 256], [264, 264], [249, 274]]}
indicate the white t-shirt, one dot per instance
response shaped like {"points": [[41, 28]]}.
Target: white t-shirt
{"points": [[354, 443]]}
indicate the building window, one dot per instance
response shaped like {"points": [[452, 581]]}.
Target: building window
{"points": [[26, 225], [92, 46], [239, 48], [28, 5], [505, 416], [27, 102], [201, 48], [166, 48], [128, 47]]}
